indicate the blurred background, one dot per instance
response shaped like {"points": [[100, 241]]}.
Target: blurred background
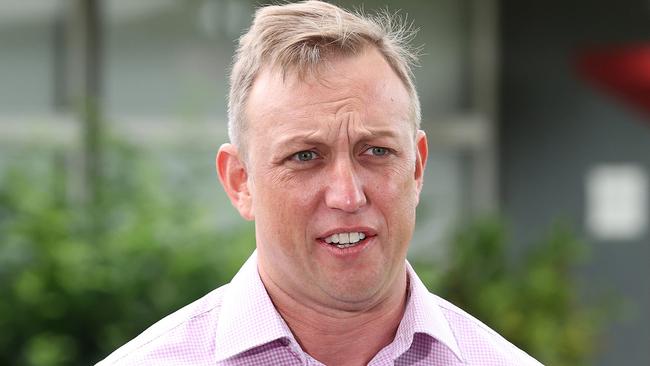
{"points": [[534, 215]]}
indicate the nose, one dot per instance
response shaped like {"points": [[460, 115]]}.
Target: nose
{"points": [[345, 190]]}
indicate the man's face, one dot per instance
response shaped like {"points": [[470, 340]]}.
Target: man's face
{"points": [[333, 158]]}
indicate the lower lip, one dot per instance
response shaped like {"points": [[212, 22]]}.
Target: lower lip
{"points": [[349, 251]]}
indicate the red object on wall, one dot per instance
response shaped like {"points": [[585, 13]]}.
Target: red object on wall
{"points": [[623, 71]]}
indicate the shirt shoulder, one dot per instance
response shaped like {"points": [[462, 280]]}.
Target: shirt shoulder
{"points": [[185, 336], [479, 344]]}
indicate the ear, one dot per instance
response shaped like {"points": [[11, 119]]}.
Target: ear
{"points": [[234, 179], [421, 152]]}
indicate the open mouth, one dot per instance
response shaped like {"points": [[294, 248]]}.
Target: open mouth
{"points": [[345, 240]]}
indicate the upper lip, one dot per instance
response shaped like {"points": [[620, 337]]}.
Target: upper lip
{"points": [[359, 229]]}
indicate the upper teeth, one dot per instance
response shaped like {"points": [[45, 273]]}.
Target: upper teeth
{"points": [[345, 238]]}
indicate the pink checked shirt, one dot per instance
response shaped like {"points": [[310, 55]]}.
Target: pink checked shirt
{"points": [[237, 324]]}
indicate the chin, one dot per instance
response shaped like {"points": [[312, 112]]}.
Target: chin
{"points": [[356, 291]]}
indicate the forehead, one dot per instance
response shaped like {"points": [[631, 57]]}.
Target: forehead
{"points": [[364, 84]]}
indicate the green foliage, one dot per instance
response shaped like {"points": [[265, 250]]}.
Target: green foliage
{"points": [[531, 301], [72, 291]]}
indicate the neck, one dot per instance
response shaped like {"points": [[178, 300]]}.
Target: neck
{"points": [[342, 337]]}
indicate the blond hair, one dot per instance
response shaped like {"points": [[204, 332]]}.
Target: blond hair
{"points": [[299, 36]]}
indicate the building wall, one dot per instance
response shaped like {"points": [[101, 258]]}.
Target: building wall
{"points": [[555, 128]]}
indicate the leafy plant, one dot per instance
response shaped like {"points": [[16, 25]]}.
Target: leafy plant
{"points": [[72, 291], [532, 301]]}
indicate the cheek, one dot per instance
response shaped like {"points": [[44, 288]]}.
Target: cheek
{"points": [[394, 185], [394, 193], [282, 208]]}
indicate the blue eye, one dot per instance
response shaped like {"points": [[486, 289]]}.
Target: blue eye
{"points": [[306, 155], [379, 151]]}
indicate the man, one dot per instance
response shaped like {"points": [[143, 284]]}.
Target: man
{"points": [[327, 158]]}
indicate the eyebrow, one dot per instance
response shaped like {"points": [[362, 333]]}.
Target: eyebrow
{"points": [[316, 137]]}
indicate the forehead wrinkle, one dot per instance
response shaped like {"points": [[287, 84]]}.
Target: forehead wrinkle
{"points": [[355, 125], [325, 103], [300, 135], [357, 128], [319, 130]]}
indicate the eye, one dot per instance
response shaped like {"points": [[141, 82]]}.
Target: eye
{"points": [[306, 155], [377, 151]]}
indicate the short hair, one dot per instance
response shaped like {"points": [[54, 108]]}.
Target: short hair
{"points": [[298, 37]]}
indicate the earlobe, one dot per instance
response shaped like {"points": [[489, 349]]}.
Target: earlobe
{"points": [[234, 179], [421, 152]]}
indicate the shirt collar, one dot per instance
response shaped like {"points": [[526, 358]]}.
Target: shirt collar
{"points": [[248, 318], [424, 315]]}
